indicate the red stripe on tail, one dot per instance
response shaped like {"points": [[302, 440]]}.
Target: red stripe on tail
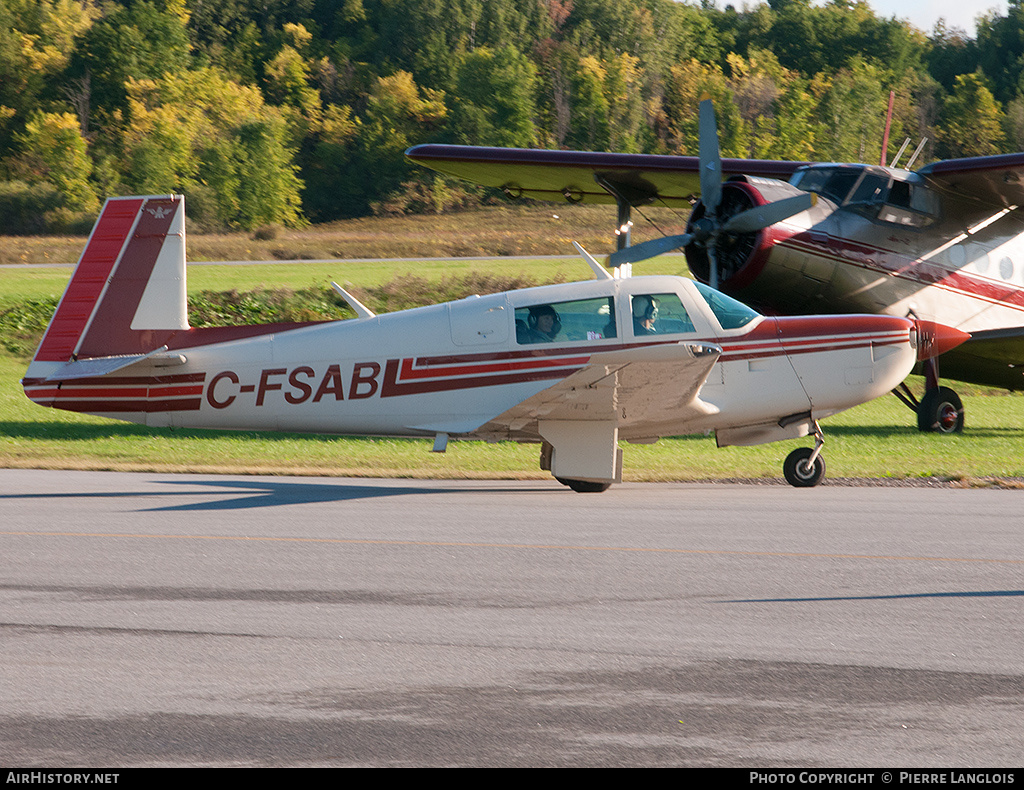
{"points": [[101, 254]]}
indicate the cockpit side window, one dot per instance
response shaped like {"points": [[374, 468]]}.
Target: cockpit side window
{"points": [[564, 322], [862, 188], [660, 314]]}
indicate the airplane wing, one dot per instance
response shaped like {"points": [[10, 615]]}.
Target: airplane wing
{"points": [[577, 176], [996, 179], [648, 385], [994, 357]]}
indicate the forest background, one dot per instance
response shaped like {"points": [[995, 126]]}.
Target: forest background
{"points": [[286, 112]]}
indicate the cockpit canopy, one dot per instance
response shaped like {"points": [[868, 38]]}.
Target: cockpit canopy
{"points": [[894, 196]]}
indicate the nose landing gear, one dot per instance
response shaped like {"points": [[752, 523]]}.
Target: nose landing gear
{"points": [[805, 466]]}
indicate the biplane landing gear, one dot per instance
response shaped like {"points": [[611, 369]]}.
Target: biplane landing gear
{"points": [[584, 486], [805, 467], [940, 410]]}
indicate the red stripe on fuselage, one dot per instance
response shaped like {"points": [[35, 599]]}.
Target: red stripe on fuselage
{"points": [[391, 387], [883, 261], [126, 406], [410, 369], [178, 378]]}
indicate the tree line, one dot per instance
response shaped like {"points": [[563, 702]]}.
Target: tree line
{"points": [[294, 111]]}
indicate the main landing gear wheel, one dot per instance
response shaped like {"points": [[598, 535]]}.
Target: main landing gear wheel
{"points": [[940, 411], [584, 486], [801, 471]]}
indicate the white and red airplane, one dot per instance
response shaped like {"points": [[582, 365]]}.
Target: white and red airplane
{"points": [[944, 243], [575, 367]]}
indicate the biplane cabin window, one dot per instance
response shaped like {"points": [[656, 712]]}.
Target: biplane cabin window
{"points": [[659, 314], [870, 190], [910, 204], [897, 198], [565, 322]]}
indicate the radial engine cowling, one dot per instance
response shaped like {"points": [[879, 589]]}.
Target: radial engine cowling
{"points": [[740, 256]]}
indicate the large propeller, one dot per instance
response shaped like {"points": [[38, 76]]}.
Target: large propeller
{"points": [[708, 229]]}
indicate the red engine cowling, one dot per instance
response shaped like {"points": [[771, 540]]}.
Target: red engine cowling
{"points": [[740, 256]]}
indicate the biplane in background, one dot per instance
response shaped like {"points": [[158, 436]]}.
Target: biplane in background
{"points": [[943, 243], [574, 367]]}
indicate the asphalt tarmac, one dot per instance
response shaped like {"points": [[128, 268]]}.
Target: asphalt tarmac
{"points": [[193, 620]]}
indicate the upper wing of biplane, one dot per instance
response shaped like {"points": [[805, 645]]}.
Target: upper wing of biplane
{"points": [[995, 179], [586, 176]]}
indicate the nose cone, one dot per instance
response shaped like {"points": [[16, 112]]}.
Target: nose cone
{"points": [[934, 339]]}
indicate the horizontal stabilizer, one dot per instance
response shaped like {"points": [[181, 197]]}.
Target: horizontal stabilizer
{"points": [[98, 366]]}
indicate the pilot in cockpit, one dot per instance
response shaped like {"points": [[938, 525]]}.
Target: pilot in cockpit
{"points": [[645, 313], [542, 325]]}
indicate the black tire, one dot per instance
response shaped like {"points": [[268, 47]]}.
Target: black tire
{"points": [[797, 471], [940, 411], [584, 486]]}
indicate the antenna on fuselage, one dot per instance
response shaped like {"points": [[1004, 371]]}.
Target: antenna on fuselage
{"points": [[896, 159], [362, 311], [917, 152], [600, 273]]}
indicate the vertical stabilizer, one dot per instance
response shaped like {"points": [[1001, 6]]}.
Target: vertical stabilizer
{"points": [[127, 294]]}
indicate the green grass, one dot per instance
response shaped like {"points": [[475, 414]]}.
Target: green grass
{"points": [[876, 440], [21, 284]]}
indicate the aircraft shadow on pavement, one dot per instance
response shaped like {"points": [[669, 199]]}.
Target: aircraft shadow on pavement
{"points": [[259, 493], [272, 493], [893, 597]]}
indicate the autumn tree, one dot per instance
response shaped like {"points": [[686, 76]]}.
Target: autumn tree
{"points": [[54, 152], [143, 39], [972, 120], [494, 99], [217, 142]]}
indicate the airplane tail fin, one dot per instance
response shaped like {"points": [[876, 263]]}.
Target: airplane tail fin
{"points": [[127, 295]]}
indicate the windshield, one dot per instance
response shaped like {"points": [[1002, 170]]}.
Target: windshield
{"points": [[834, 183], [730, 313]]}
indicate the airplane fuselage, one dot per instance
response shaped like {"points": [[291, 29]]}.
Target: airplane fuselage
{"points": [[946, 256], [452, 368], [577, 366]]}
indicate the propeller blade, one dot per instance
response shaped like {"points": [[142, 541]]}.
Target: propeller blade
{"points": [[760, 217], [648, 249], [710, 158]]}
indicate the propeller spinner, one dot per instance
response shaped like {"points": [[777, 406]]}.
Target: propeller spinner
{"points": [[714, 227]]}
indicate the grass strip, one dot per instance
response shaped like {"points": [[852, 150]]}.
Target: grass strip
{"points": [[876, 440]]}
